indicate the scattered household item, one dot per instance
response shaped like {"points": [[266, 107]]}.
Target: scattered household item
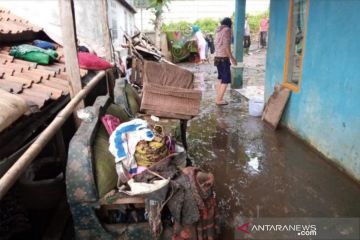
{"points": [[170, 102], [149, 152], [276, 105], [142, 47], [83, 49], [155, 118], [167, 74], [256, 106], [43, 44], [123, 143], [33, 54], [92, 62], [85, 115], [140, 188], [182, 45], [110, 123], [250, 92], [168, 91]]}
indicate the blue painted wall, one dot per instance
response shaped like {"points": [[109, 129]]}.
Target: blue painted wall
{"points": [[326, 111]]}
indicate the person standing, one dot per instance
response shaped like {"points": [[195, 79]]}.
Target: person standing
{"points": [[201, 42], [264, 26], [247, 40], [223, 59]]}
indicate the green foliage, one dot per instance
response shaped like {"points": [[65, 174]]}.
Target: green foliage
{"points": [[207, 25], [254, 21], [157, 7], [182, 26]]}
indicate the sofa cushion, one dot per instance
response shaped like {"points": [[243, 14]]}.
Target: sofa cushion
{"points": [[133, 99], [106, 176]]}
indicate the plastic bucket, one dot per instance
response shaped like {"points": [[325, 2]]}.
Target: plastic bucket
{"points": [[256, 107]]}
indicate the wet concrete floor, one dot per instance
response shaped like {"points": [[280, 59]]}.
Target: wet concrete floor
{"points": [[260, 172]]}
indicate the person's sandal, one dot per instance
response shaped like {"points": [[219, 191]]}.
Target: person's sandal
{"points": [[222, 103]]}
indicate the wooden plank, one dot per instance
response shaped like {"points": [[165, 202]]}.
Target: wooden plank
{"points": [[69, 41], [105, 29], [275, 106]]}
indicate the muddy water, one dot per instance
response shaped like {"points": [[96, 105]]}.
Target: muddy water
{"points": [[260, 172]]}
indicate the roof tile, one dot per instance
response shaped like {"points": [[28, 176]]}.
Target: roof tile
{"points": [[12, 24], [32, 82], [11, 86]]}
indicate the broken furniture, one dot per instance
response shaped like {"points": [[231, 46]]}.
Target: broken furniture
{"points": [[168, 91], [91, 177]]}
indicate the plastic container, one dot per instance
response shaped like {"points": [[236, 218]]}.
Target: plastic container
{"points": [[256, 107]]}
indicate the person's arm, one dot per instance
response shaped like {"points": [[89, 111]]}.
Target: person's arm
{"points": [[229, 54], [228, 49]]}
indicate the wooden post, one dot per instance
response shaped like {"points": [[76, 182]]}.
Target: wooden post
{"points": [[105, 29], [70, 47]]}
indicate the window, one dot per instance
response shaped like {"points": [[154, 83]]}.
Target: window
{"points": [[113, 4], [297, 23], [114, 29], [126, 22]]}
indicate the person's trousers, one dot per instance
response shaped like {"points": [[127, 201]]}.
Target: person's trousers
{"points": [[247, 41], [263, 36]]}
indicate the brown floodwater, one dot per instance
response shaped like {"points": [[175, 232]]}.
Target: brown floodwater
{"points": [[260, 172]]}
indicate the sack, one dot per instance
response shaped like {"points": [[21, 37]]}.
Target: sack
{"points": [[33, 54]]}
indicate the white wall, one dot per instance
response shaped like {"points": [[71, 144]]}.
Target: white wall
{"points": [[120, 20], [46, 14]]}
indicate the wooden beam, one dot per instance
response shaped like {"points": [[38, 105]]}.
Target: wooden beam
{"points": [[105, 29], [70, 48]]}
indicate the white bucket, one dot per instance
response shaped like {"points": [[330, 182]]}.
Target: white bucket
{"points": [[256, 106]]}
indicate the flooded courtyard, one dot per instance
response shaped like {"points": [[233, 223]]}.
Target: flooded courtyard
{"points": [[260, 172]]}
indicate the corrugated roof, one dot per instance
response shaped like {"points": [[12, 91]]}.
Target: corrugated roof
{"points": [[12, 24]]}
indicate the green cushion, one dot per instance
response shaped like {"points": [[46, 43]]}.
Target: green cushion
{"points": [[106, 176], [133, 99], [118, 111]]}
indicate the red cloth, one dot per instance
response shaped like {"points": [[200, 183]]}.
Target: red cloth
{"points": [[92, 62], [110, 123]]}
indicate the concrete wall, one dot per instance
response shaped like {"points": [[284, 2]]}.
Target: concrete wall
{"points": [[121, 20], [326, 111]]}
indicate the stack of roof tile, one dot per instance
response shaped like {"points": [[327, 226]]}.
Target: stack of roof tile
{"points": [[12, 24], [34, 83]]}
